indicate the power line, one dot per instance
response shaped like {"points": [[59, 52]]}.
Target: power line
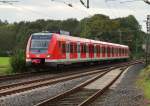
{"points": [[8, 2], [146, 1]]}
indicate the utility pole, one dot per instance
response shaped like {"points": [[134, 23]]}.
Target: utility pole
{"points": [[85, 5], [147, 39]]}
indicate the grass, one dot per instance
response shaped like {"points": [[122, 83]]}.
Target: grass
{"points": [[144, 82], [4, 61], [5, 66]]}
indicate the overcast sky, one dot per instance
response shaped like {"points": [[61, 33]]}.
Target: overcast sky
{"points": [[31, 10]]}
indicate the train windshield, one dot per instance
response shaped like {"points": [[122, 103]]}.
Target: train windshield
{"points": [[39, 43]]}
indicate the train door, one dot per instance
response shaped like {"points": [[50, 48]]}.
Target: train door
{"points": [[79, 50], [90, 50], [83, 50], [75, 50], [63, 49], [112, 51], [87, 50], [67, 51], [108, 51]]}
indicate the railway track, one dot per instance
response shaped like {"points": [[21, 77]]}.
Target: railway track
{"points": [[19, 76], [50, 76], [33, 73], [30, 74], [21, 87], [81, 95]]}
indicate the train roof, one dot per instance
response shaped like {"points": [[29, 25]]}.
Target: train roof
{"points": [[78, 39]]}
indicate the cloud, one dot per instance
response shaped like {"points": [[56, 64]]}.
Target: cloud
{"points": [[30, 10]]}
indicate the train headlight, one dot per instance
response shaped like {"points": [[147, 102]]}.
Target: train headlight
{"points": [[48, 56], [28, 55]]}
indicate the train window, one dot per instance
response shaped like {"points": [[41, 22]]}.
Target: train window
{"points": [[67, 50], [108, 50], [71, 48], [84, 48], [75, 48], [59, 44], [63, 48], [112, 51], [103, 50], [119, 51], [123, 51], [100, 49], [96, 49], [92, 49], [87, 48], [78, 48]]}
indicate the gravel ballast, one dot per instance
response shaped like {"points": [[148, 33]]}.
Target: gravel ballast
{"points": [[125, 93], [32, 97]]}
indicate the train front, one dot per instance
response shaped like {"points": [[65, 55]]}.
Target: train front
{"points": [[38, 49]]}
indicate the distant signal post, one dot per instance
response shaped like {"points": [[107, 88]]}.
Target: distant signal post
{"points": [[147, 40]]}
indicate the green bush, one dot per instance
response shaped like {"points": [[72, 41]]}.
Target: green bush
{"points": [[18, 61]]}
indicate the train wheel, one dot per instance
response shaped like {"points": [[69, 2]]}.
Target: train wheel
{"points": [[60, 67]]}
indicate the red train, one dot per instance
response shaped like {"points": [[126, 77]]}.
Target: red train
{"points": [[55, 49]]}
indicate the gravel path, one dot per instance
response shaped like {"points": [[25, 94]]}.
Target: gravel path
{"points": [[125, 93]]}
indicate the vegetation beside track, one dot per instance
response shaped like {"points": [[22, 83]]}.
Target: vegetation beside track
{"points": [[5, 67], [144, 82], [14, 36]]}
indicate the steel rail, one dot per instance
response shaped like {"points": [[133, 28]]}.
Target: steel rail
{"points": [[75, 89], [22, 88], [53, 77], [101, 91], [78, 88], [20, 75]]}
